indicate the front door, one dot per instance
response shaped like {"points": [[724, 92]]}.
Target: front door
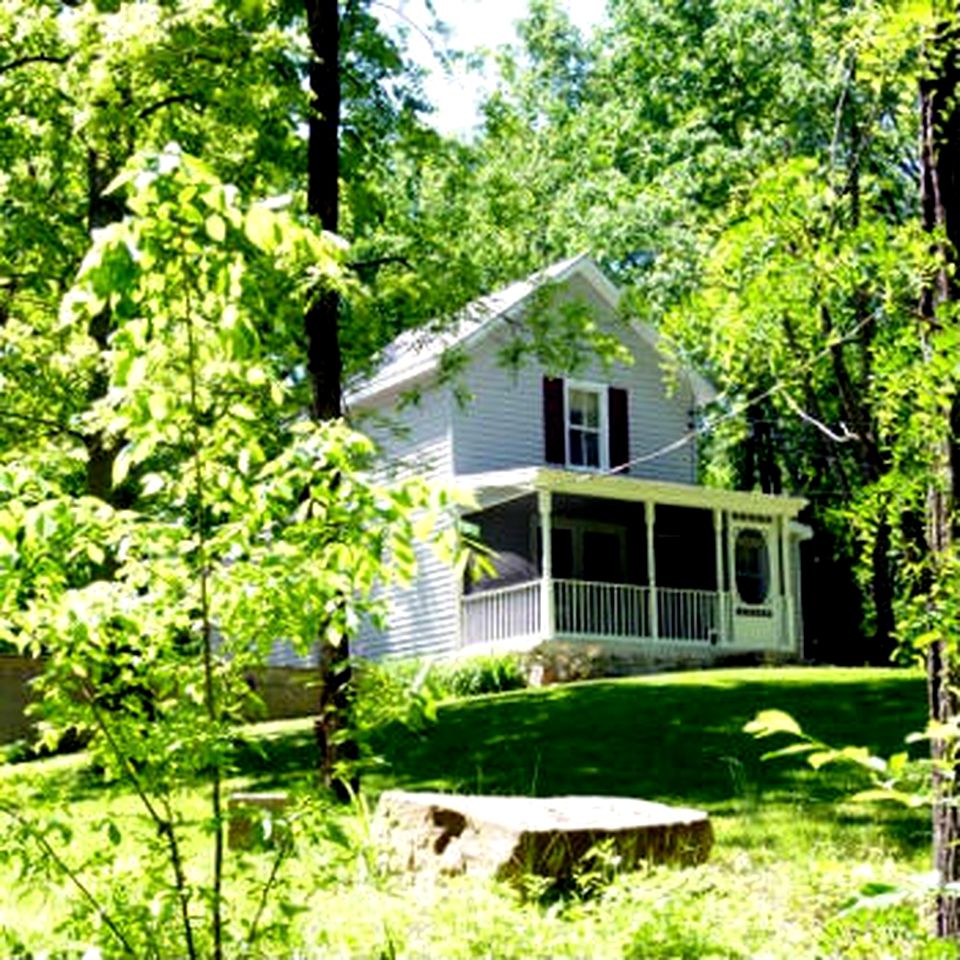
{"points": [[756, 578]]}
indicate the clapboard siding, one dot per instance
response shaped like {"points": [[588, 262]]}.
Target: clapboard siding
{"points": [[502, 426], [423, 618], [413, 438]]}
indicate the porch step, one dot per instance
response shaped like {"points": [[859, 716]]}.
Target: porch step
{"points": [[506, 838]]}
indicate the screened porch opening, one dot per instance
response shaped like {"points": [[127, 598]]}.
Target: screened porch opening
{"points": [[608, 576]]}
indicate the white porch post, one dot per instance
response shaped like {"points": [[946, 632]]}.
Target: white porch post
{"points": [[789, 632], [718, 559], [547, 619], [732, 596], [649, 513]]}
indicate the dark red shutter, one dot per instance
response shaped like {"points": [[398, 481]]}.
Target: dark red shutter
{"points": [[554, 442], [619, 429]]}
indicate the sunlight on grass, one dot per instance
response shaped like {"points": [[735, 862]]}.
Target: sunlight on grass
{"points": [[790, 852]]}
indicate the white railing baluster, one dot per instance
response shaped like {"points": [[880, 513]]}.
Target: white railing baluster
{"points": [[615, 611]]}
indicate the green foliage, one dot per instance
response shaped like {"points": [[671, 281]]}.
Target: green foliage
{"points": [[897, 778], [408, 692], [248, 525], [405, 692], [473, 676], [671, 935]]}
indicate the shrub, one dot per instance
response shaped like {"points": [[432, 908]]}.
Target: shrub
{"points": [[482, 674]]}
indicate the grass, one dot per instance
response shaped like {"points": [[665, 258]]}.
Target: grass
{"points": [[790, 851]]}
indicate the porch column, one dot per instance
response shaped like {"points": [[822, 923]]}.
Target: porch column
{"points": [[732, 595], [718, 559], [547, 618], [789, 631], [649, 514]]}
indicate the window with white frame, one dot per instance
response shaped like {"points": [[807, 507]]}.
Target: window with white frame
{"points": [[586, 427]]}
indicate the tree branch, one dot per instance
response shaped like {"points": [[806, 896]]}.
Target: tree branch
{"points": [[70, 873], [164, 824], [358, 265], [42, 422], [165, 102], [845, 437], [34, 58]]}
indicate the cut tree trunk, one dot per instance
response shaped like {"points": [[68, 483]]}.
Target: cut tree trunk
{"points": [[511, 838]]}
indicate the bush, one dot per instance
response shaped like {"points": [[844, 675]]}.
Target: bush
{"points": [[395, 691], [407, 691], [484, 674]]}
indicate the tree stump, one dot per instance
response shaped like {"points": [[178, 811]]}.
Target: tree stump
{"points": [[256, 819], [507, 838]]}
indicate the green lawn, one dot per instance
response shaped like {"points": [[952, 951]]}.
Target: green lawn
{"points": [[789, 853]]}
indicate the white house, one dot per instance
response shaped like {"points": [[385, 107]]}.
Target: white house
{"points": [[585, 489]]}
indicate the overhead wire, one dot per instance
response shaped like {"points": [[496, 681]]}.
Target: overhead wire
{"points": [[711, 423]]}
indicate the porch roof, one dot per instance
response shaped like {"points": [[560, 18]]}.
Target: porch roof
{"points": [[501, 486]]}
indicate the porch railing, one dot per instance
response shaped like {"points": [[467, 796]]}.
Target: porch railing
{"points": [[509, 613], [585, 608], [591, 608], [688, 614]]}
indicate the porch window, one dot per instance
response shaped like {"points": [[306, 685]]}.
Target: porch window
{"points": [[752, 560], [586, 408], [586, 550]]}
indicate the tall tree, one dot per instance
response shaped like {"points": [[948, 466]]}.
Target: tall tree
{"points": [[940, 194], [322, 326]]}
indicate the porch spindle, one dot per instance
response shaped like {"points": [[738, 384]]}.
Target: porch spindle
{"points": [[649, 513], [547, 621]]}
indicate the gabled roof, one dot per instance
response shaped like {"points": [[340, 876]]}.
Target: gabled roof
{"points": [[416, 354]]}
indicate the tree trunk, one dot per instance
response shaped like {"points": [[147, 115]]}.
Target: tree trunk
{"points": [[882, 644], [101, 452], [321, 323], [940, 139]]}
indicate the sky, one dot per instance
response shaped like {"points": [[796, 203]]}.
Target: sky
{"points": [[473, 24]]}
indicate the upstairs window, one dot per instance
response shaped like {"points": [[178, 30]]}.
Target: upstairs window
{"points": [[586, 426]]}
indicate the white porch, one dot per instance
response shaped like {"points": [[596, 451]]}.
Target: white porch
{"points": [[628, 561]]}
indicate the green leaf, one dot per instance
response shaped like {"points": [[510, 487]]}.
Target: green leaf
{"points": [[260, 228], [792, 750], [157, 404], [878, 794], [242, 412], [336, 834], [151, 484], [769, 722], [216, 228]]}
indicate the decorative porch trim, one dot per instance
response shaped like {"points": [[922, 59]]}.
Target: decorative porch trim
{"points": [[786, 573], [500, 486]]}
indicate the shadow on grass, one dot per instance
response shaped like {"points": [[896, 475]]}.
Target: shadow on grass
{"points": [[278, 761], [677, 739], [641, 738], [673, 739]]}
